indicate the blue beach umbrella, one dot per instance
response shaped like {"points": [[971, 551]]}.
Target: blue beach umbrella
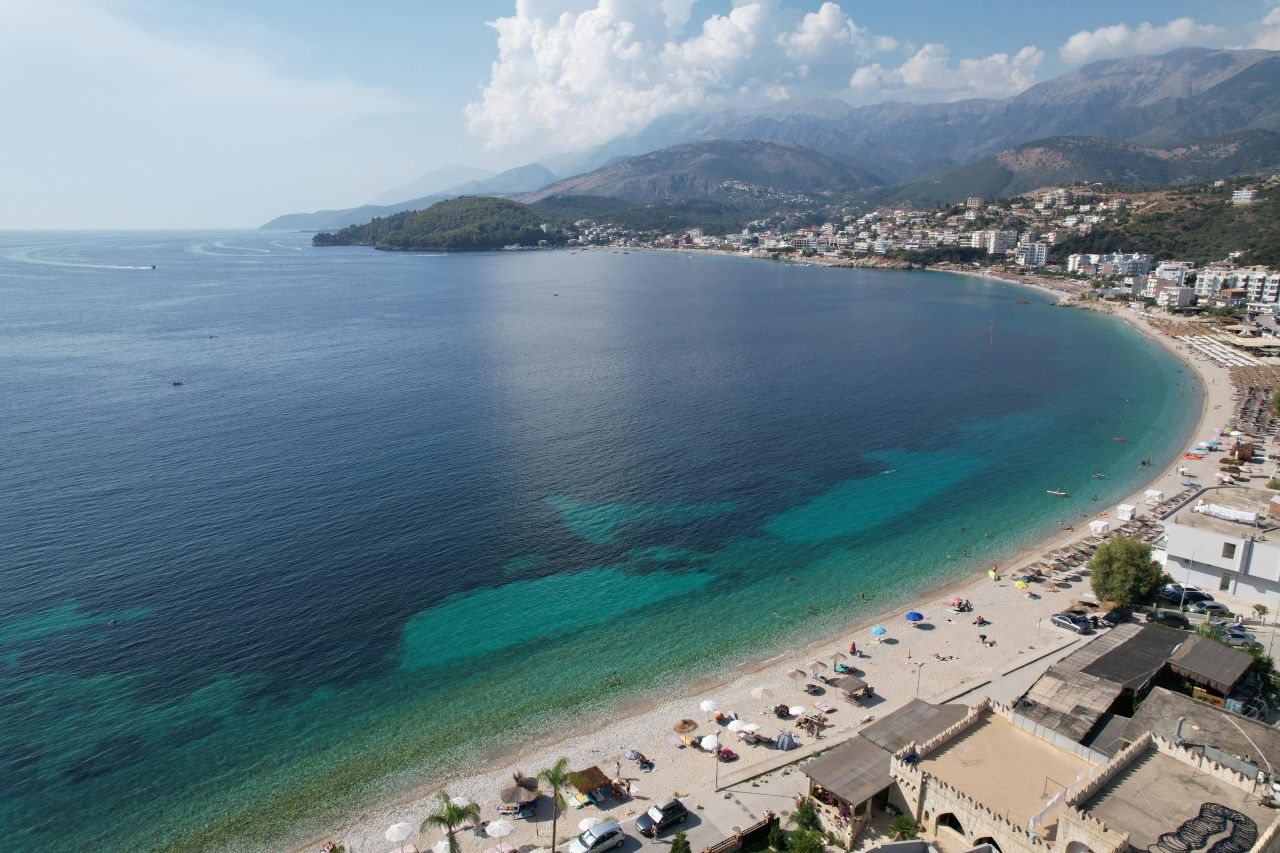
{"points": [[914, 616], [879, 630]]}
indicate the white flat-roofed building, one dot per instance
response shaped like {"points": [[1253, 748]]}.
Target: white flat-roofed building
{"points": [[1227, 539], [1248, 195], [1174, 271]]}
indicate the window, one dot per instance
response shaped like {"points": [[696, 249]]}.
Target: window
{"points": [[1228, 550], [1225, 583]]}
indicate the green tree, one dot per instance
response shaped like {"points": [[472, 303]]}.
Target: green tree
{"points": [[903, 826], [1123, 572], [806, 815], [680, 843], [1261, 611], [449, 816], [777, 837], [806, 841], [556, 777]]}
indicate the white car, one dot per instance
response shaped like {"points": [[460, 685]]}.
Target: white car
{"points": [[602, 836]]}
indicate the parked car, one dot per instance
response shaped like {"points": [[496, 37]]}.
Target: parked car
{"points": [[1115, 616], [602, 836], [659, 817], [1172, 618], [1176, 593], [1215, 608], [1071, 622]]}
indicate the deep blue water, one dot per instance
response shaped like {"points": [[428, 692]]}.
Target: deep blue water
{"points": [[406, 505]]}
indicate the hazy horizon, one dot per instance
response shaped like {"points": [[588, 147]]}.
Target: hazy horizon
{"points": [[222, 114]]}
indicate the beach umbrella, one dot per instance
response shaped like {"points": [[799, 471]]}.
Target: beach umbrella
{"points": [[798, 710], [632, 754], [761, 692], [797, 675], [711, 743], [914, 616], [499, 828], [588, 822], [460, 802], [501, 847], [683, 727], [879, 630], [752, 728], [736, 725], [707, 706], [815, 665], [441, 846], [837, 658], [398, 833]]}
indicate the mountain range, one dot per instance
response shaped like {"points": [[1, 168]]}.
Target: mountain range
{"points": [[1181, 116], [519, 180]]}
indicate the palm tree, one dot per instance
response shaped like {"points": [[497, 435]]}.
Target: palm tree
{"points": [[449, 817], [556, 777]]}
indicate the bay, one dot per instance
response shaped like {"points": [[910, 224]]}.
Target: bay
{"points": [[404, 507]]}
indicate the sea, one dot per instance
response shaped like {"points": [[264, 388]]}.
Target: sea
{"points": [[286, 530]]}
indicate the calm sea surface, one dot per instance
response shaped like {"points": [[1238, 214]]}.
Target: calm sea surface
{"points": [[404, 506]]}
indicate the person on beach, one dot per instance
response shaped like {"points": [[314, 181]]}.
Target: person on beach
{"points": [[853, 648]]}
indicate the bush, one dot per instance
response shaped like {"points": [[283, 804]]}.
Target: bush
{"points": [[1273, 483], [806, 815], [806, 841], [680, 843], [1123, 572], [903, 827], [777, 837]]}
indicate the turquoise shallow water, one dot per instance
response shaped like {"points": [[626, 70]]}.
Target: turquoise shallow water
{"points": [[404, 507]]}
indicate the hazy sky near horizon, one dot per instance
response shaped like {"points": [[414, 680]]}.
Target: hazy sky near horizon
{"points": [[225, 113]]}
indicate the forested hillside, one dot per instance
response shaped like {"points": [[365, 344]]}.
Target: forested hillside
{"points": [[467, 223]]}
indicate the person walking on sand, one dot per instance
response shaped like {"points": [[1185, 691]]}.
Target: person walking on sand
{"points": [[853, 648]]}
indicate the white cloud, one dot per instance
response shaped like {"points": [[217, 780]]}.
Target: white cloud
{"points": [[929, 75], [1122, 40], [1267, 36], [586, 74], [828, 30]]}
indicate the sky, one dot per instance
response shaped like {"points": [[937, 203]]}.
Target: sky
{"points": [[226, 113]]}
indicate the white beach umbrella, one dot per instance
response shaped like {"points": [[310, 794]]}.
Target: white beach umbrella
{"points": [[398, 833], [761, 692], [499, 828], [736, 725], [752, 728], [588, 822], [711, 743], [441, 846], [460, 802], [798, 710], [708, 706]]}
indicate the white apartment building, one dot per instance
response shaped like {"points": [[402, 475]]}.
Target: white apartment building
{"points": [[1213, 278], [1227, 540], [1247, 195], [1260, 284], [1174, 296], [1175, 271], [1031, 254]]}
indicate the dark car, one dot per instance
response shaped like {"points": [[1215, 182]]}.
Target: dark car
{"points": [[1071, 622], [660, 816], [1176, 593], [1115, 616], [1215, 608], [1169, 617]]}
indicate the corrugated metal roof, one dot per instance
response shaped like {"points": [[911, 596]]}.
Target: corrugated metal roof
{"points": [[1069, 701], [854, 771], [915, 722], [1210, 663]]}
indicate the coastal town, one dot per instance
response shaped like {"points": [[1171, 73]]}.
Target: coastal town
{"points": [[1022, 710], [1020, 236]]}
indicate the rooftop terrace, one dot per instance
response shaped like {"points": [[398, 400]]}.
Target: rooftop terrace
{"points": [[1231, 497], [1004, 767], [1156, 795]]}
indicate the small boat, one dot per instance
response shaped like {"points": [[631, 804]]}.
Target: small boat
{"points": [[1056, 492], [176, 383], [1119, 438]]}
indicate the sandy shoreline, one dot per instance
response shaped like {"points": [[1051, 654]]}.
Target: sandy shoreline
{"points": [[937, 660]]}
